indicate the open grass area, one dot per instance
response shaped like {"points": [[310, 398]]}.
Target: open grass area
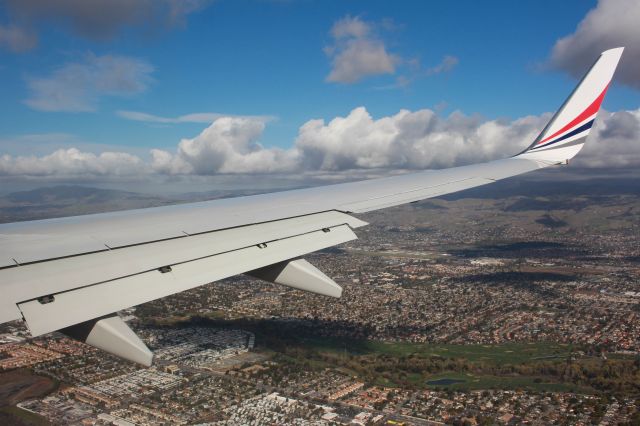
{"points": [[513, 366], [510, 353]]}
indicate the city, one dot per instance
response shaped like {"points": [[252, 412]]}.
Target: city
{"points": [[455, 311]]}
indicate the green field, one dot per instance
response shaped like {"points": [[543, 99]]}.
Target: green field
{"points": [[509, 353], [513, 366]]}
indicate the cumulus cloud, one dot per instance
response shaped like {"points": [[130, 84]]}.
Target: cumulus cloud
{"points": [[77, 86], [101, 19], [612, 23], [196, 117], [228, 145], [613, 142], [357, 52], [17, 39], [354, 145], [425, 140], [409, 140]]}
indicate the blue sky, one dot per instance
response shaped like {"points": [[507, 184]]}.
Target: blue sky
{"points": [[272, 59]]}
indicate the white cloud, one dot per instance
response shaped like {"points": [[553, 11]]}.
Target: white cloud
{"points": [[357, 53], [425, 140], [197, 117], [77, 86], [349, 27], [228, 145], [17, 39], [613, 142], [409, 140], [612, 23], [349, 146]]}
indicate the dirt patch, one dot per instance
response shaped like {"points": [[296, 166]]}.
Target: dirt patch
{"points": [[18, 385]]}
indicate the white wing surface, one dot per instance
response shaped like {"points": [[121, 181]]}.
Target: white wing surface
{"points": [[58, 273]]}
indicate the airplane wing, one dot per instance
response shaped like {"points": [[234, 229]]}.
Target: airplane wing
{"points": [[73, 274]]}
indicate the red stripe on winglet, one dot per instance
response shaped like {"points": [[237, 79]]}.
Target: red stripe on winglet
{"points": [[591, 109]]}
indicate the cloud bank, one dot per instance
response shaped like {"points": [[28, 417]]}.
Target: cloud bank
{"points": [[342, 147], [77, 86], [72, 162], [612, 23]]}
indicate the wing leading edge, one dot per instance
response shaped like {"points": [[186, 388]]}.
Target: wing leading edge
{"points": [[58, 273]]}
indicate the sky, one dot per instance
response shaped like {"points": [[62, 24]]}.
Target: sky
{"points": [[210, 92]]}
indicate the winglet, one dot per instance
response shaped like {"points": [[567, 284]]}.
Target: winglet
{"points": [[565, 135]]}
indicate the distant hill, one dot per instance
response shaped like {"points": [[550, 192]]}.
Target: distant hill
{"points": [[73, 200], [70, 200], [70, 194]]}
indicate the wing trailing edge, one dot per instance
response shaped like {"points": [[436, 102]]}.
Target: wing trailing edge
{"points": [[80, 294]]}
